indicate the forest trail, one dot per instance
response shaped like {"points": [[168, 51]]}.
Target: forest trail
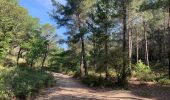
{"points": [[68, 88]]}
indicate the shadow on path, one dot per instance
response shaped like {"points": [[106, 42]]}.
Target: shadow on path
{"points": [[68, 88]]}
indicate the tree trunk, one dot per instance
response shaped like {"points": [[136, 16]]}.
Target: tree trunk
{"points": [[83, 56], [83, 63], [94, 52], [169, 37], [146, 44], [32, 62], [130, 47], [160, 46], [137, 46], [106, 51], [19, 53], [45, 56], [123, 80], [106, 60], [164, 38]]}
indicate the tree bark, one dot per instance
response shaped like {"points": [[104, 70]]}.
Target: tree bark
{"points": [[169, 37], [19, 53], [32, 62], [130, 47], [160, 46], [106, 51], [146, 44], [83, 56], [124, 76], [164, 38], [83, 63], [137, 46], [106, 60], [94, 52], [45, 56]]}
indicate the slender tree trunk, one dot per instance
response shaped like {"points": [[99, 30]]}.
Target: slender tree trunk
{"points": [[160, 46], [83, 63], [137, 46], [146, 45], [164, 39], [124, 76], [94, 51], [19, 53], [83, 56], [45, 56], [106, 60], [169, 37], [130, 47], [32, 62], [106, 51], [100, 74]]}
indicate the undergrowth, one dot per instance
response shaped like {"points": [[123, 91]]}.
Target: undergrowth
{"points": [[23, 82]]}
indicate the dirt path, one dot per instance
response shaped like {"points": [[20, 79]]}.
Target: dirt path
{"points": [[68, 88]]}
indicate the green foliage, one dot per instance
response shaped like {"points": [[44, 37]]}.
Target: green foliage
{"points": [[143, 72], [164, 81], [23, 82], [142, 68], [116, 61], [5, 80], [35, 48], [93, 80], [63, 60], [13, 20]]}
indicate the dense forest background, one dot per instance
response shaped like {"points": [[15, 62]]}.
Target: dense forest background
{"points": [[115, 35], [109, 41]]}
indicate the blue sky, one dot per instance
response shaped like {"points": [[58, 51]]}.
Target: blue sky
{"points": [[40, 9]]}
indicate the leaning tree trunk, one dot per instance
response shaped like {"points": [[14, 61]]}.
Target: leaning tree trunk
{"points": [[146, 45], [19, 53], [45, 56], [32, 62]]}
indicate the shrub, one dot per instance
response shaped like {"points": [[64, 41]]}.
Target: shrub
{"points": [[142, 68], [23, 82], [93, 80], [164, 81], [143, 72], [5, 91], [148, 77]]}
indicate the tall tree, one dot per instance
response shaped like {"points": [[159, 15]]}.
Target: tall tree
{"points": [[146, 43], [73, 16], [124, 17], [169, 36], [48, 34], [101, 23], [164, 4]]}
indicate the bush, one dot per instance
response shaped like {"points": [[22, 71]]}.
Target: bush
{"points": [[148, 77], [93, 80], [143, 72], [23, 82], [5, 89], [164, 81]]}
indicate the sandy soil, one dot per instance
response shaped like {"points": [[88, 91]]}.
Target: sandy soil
{"points": [[68, 88]]}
